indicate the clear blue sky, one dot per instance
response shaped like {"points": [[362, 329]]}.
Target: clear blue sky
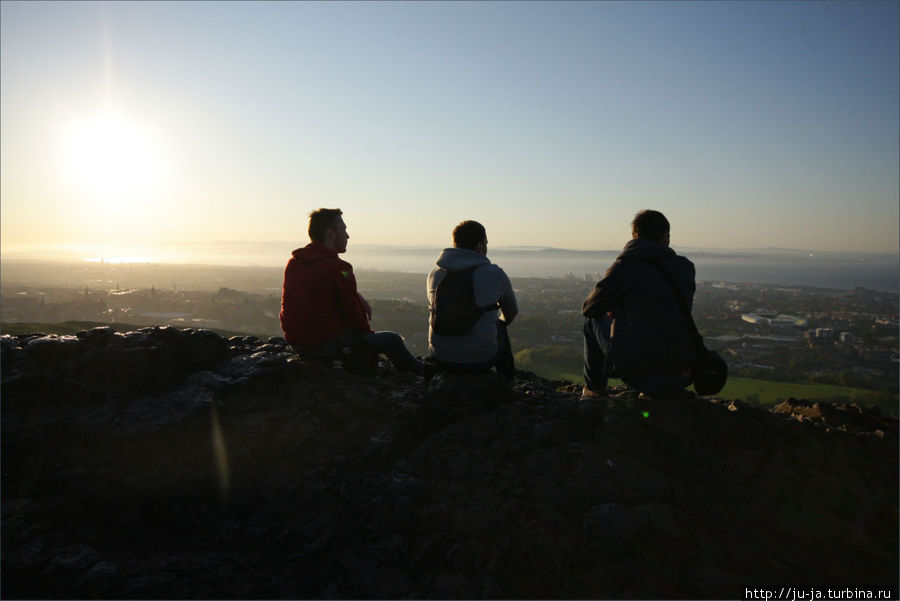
{"points": [[750, 124]]}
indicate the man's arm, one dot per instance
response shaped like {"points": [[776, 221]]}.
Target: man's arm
{"points": [[605, 294], [366, 306], [509, 308], [693, 272], [351, 302]]}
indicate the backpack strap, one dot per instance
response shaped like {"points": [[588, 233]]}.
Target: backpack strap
{"points": [[491, 307], [698, 339]]}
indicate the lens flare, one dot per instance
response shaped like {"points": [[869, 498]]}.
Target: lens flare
{"points": [[220, 454]]}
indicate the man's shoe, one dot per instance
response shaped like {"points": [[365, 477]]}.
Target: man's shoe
{"points": [[588, 394], [593, 404]]}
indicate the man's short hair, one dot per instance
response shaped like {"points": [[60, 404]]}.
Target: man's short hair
{"points": [[320, 221], [650, 225], [469, 234]]}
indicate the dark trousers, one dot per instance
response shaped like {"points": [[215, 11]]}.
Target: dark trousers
{"points": [[503, 361], [389, 344], [596, 345]]}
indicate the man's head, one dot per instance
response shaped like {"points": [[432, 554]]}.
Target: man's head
{"points": [[472, 235], [651, 225], [327, 227]]}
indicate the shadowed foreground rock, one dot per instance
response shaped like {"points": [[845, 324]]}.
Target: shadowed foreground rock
{"points": [[176, 464]]}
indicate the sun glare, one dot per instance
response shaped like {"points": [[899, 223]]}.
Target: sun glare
{"points": [[110, 160]]}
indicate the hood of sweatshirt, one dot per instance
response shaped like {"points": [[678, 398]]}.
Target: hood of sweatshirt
{"points": [[644, 250], [456, 259], [312, 252]]}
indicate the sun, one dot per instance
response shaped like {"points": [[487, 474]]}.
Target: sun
{"points": [[110, 161]]}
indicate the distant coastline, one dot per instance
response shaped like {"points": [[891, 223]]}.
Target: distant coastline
{"points": [[825, 269]]}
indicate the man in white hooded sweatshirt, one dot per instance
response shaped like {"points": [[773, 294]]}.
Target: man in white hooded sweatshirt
{"points": [[486, 345]]}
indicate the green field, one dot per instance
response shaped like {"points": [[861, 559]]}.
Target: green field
{"points": [[766, 393]]}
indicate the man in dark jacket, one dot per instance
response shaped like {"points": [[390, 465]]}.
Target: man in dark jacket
{"points": [[322, 312], [635, 328]]}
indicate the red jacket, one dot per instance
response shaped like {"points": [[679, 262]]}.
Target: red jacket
{"points": [[319, 300]]}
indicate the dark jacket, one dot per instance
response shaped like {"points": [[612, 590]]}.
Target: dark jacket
{"points": [[319, 300], [650, 334]]}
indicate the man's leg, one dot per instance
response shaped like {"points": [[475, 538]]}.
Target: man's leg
{"points": [[504, 362], [596, 343], [392, 345]]}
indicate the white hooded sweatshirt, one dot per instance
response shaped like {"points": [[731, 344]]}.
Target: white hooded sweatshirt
{"points": [[491, 285]]}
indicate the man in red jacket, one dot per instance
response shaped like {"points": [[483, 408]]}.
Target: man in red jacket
{"points": [[322, 313]]}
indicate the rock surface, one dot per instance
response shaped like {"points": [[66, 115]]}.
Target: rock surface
{"points": [[172, 463]]}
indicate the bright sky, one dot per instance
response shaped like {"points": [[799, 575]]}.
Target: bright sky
{"points": [[750, 124]]}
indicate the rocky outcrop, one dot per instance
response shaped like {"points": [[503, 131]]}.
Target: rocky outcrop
{"points": [[172, 463]]}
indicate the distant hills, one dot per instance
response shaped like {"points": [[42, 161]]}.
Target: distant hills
{"points": [[230, 252], [781, 266]]}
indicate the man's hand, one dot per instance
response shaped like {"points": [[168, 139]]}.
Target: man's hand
{"points": [[366, 306]]}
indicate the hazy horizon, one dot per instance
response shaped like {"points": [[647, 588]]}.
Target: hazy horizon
{"points": [[878, 271], [226, 252], [749, 124]]}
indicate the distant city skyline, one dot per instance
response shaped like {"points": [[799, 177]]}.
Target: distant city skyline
{"points": [[749, 124]]}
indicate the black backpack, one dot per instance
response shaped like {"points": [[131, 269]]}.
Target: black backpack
{"points": [[454, 312]]}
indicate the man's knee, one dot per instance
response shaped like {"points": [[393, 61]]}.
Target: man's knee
{"points": [[385, 342], [591, 330], [598, 331]]}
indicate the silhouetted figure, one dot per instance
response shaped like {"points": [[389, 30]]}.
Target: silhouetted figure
{"points": [[322, 313], [635, 328], [468, 326]]}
